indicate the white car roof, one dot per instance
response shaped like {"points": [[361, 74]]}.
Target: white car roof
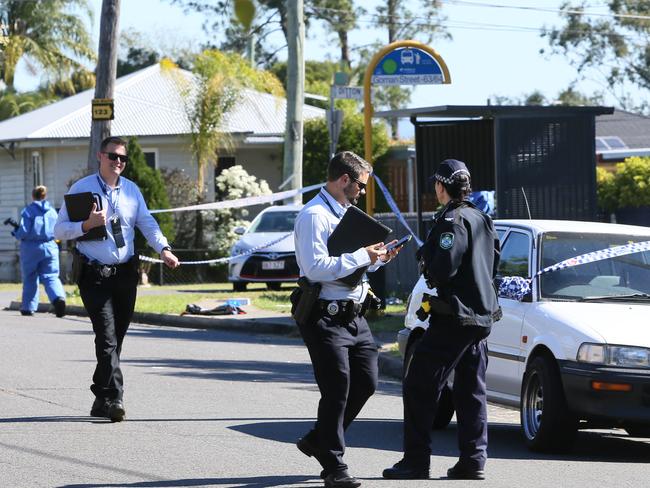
{"points": [[282, 208], [540, 226]]}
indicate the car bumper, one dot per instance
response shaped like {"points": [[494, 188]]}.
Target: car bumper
{"points": [[617, 406], [252, 269]]}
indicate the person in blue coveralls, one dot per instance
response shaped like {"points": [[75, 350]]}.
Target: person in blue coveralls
{"points": [[39, 254]]}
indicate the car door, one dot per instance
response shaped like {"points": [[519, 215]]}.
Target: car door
{"points": [[504, 343]]}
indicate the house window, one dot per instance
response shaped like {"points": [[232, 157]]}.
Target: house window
{"points": [[37, 169], [151, 157]]}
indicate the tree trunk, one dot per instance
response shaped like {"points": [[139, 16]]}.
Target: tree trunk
{"points": [[105, 75]]}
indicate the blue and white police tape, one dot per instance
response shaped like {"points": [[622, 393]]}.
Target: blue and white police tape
{"points": [[223, 260], [393, 206], [600, 255], [242, 202]]}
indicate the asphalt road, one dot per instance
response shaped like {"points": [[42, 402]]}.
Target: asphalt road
{"points": [[222, 409]]}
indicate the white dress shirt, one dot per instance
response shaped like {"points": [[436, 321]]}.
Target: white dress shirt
{"points": [[314, 224], [127, 202]]}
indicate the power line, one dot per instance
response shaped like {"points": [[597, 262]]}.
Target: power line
{"points": [[466, 3]]}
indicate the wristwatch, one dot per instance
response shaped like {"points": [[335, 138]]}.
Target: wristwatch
{"points": [[166, 248]]}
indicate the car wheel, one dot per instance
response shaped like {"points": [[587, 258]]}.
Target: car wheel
{"points": [[638, 430], [446, 403], [274, 285], [546, 422], [239, 286]]}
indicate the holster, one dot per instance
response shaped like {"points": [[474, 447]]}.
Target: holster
{"points": [[79, 262], [304, 299]]}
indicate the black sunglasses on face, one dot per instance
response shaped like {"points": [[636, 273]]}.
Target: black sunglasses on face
{"points": [[362, 186], [114, 157]]}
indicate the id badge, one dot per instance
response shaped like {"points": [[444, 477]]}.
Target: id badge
{"points": [[116, 229]]}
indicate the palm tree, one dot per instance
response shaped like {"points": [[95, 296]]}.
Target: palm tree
{"points": [[48, 34]]}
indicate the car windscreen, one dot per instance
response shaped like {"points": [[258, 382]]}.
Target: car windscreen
{"points": [[622, 275], [273, 222]]}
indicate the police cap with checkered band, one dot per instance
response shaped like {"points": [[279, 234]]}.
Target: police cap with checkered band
{"points": [[454, 173]]}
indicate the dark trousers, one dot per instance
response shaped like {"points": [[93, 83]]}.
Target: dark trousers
{"points": [[447, 347], [109, 303], [344, 358]]}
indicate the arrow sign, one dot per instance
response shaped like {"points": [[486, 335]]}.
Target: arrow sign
{"points": [[408, 66], [102, 109]]}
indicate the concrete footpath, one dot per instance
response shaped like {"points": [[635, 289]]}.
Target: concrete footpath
{"points": [[255, 321]]}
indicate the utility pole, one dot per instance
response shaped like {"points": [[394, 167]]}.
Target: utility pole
{"points": [[295, 96], [105, 75]]}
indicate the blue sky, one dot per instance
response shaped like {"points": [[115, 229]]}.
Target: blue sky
{"points": [[494, 51]]}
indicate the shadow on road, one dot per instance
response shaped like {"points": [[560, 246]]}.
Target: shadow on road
{"points": [[248, 482], [505, 441]]}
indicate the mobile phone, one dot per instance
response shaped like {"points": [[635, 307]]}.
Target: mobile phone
{"points": [[399, 243]]}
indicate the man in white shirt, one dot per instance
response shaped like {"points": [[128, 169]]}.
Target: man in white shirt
{"points": [[342, 349], [108, 268]]}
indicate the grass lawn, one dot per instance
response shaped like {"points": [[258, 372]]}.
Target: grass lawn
{"points": [[172, 299]]}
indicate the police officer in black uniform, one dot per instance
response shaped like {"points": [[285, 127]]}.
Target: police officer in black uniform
{"points": [[459, 259]]}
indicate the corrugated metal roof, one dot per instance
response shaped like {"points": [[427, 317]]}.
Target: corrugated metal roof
{"points": [[149, 102]]}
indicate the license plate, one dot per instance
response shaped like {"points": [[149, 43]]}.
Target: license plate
{"points": [[272, 264]]}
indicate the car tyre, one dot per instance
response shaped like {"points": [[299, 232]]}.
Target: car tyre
{"points": [[446, 403], [546, 422], [239, 286], [274, 285]]}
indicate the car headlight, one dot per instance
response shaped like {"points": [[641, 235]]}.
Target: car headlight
{"points": [[629, 356]]}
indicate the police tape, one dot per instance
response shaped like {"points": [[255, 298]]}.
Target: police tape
{"points": [[223, 260], [599, 255], [242, 202], [393, 206]]}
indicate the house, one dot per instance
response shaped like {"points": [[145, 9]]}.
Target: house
{"points": [[50, 145], [621, 135]]}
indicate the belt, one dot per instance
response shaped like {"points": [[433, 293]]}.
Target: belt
{"points": [[340, 307], [106, 270]]}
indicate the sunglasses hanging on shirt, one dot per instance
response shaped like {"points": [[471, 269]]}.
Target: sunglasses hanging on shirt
{"points": [[116, 229]]}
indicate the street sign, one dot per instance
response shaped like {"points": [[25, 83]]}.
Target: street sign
{"points": [[407, 66], [341, 78], [102, 109], [334, 123], [350, 92]]}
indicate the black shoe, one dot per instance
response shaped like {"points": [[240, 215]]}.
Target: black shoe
{"points": [[459, 472], [27, 313], [116, 411], [341, 479], [406, 471], [59, 307], [100, 407]]}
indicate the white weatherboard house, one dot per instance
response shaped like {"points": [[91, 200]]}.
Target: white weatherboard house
{"points": [[50, 145]]}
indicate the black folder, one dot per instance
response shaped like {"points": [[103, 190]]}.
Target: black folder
{"points": [[357, 229], [79, 206]]}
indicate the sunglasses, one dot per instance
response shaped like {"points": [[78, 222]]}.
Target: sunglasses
{"points": [[362, 186], [114, 157]]}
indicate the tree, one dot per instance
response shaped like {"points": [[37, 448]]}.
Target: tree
{"points": [[612, 49], [340, 17], [49, 35], [13, 104], [182, 192], [318, 78], [567, 97], [316, 144], [152, 186]]}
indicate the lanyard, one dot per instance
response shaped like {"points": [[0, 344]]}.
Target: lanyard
{"points": [[329, 205], [103, 186]]}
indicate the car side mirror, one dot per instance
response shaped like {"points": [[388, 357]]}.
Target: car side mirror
{"points": [[516, 288], [239, 230]]}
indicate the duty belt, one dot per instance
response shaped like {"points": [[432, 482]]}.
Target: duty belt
{"points": [[335, 308], [104, 270]]}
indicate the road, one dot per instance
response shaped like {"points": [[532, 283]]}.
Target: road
{"points": [[222, 409]]}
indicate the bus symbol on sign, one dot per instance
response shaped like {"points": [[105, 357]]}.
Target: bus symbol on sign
{"points": [[102, 109]]}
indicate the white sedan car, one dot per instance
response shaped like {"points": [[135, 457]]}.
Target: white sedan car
{"points": [[254, 261], [575, 352]]}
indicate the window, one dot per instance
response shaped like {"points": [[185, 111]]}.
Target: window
{"points": [[515, 255], [151, 157], [274, 222], [37, 169]]}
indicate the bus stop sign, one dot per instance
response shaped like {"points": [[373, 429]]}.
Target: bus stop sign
{"points": [[407, 66]]}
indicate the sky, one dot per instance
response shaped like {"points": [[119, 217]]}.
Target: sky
{"points": [[493, 51]]}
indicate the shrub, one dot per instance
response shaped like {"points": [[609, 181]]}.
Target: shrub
{"points": [[628, 186]]}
